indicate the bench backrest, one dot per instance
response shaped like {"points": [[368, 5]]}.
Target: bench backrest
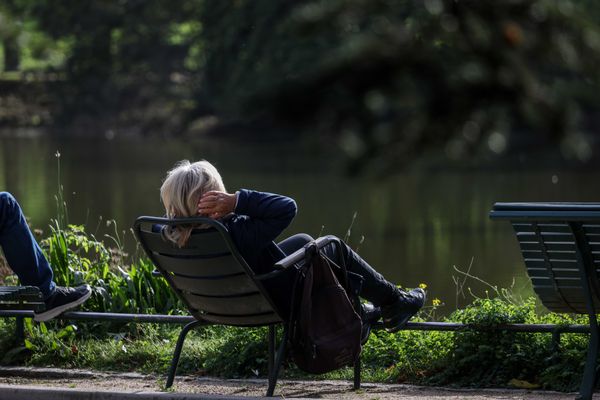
{"points": [[208, 273], [560, 244]]}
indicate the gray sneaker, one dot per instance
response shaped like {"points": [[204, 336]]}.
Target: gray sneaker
{"points": [[63, 299]]}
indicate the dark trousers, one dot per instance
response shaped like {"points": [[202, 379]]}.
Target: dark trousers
{"points": [[375, 288]]}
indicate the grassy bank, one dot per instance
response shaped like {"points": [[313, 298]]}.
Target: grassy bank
{"points": [[124, 284]]}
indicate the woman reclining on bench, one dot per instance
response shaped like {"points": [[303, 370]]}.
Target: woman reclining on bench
{"points": [[254, 219]]}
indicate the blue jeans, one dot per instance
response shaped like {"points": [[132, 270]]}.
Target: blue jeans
{"points": [[20, 248]]}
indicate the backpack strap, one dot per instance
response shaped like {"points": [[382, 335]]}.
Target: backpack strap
{"points": [[310, 251], [343, 274]]}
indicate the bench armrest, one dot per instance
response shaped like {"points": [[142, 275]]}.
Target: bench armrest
{"points": [[299, 254], [294, 259]]}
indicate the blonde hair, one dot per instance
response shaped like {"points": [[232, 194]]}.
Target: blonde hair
{"points": [[181, 191]]}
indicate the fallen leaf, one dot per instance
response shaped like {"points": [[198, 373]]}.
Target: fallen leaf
{"points": [[521, 384]]}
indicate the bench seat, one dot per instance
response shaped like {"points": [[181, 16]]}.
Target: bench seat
{"points": [[21, 298]]}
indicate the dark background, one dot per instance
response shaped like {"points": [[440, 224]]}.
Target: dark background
{"points": [[384, 81]]}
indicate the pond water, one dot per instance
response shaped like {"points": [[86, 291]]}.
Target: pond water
{"points": [[417, 227]]}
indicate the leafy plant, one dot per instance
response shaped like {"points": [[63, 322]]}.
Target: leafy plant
{"points": [[78, 257]]}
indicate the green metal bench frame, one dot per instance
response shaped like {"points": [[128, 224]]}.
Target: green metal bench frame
{"points": [[216, 284], [560, 244], [213, 281]]}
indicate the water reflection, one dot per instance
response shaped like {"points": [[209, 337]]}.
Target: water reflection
{"points": [[416, 226]]}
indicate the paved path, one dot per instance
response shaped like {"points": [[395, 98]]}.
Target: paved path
{"points": [[57, 384]]}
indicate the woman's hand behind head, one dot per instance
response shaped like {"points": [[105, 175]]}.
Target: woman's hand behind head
{"points": [[216, 204]]}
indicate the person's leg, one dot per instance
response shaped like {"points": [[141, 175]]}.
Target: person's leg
{"points": [[397, 305], [26, 259], [22, 252], [294, 242], [375, 287]]}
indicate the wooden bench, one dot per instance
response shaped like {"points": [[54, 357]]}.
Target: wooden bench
{"points": [[560, 244]]}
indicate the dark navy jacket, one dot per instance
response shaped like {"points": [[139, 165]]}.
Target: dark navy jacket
{"points": [[258, 219]]}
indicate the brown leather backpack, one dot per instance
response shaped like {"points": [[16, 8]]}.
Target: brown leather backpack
{"points": [[325, 328]]}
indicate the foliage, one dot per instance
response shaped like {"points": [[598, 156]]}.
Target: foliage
{"points": [[127, 36], [485, 356], [395, 78], [491, 357], [237, 352], [117, 60], [146, 351], [386, 79], [77, 258]]}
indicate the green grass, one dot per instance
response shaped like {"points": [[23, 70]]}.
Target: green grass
{"points": [[466, 359]]}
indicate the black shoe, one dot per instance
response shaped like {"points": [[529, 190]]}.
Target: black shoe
{"points": [[369, 315], [63, 299], [397, 314]]}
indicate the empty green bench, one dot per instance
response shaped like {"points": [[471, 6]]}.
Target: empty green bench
{"points": [[560, 245]]}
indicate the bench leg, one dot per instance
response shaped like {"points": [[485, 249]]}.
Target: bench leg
{"points": [[271, 340], [589, 373], [274, 374], [177, 353], [357, 366], [583, 252], [20, 329], [357, 373]]}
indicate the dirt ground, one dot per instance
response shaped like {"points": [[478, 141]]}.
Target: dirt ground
{"points": [[133, 382]]}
